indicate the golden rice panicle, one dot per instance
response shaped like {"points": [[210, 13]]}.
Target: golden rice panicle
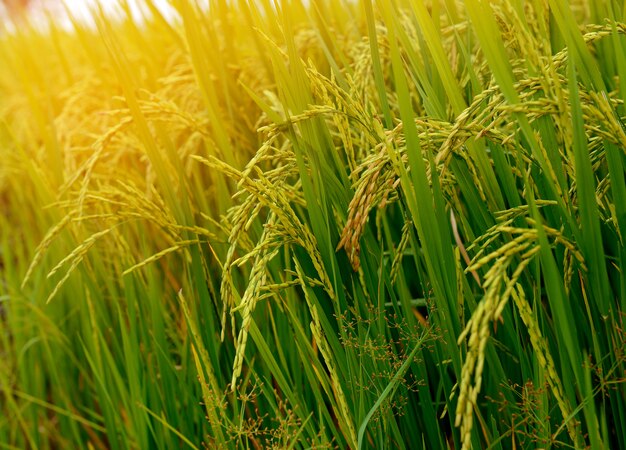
{"points": [[265, 251], [43, 246], [358, 214], [499, 289], [74, 258], [375, 186], [400, 249], [545, 361], [175, 248]]}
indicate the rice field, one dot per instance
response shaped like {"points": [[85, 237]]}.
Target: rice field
{"points": [[318, 224]]}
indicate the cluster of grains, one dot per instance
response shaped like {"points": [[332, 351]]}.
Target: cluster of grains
{"points": [[544, 360], [116, 169], [267, 190], [499, 287]]}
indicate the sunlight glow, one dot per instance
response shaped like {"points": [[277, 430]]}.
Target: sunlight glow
{"points": [[40, 12]]}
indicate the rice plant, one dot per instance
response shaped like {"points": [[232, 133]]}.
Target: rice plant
{"points": [[323, 224]]}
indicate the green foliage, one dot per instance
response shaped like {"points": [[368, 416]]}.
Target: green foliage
{"points": [[325, 224]]}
